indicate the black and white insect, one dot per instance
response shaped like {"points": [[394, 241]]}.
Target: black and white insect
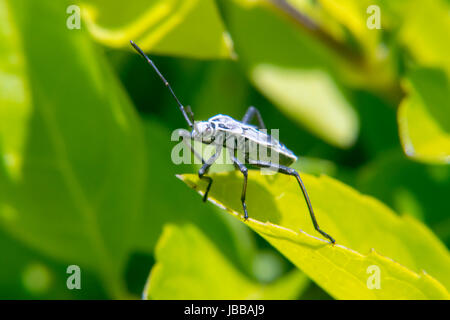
{"points": [[216, 130]]}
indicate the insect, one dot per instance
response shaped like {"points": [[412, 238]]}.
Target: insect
{"points": [[216, 128]]}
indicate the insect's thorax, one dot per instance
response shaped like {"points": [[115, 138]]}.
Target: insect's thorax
{"points": [[241, 137]]}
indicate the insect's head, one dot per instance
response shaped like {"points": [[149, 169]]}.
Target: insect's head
{"points": [[204, 131]]}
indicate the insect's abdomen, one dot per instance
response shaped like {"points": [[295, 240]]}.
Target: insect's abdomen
{"points": [[247, 140], [267, 154], [257, 150]]}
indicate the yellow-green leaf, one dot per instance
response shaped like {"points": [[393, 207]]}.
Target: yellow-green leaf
{"points": [[423, 116], [72, 151], [426, 32], [412, 262], [15, 105], [293, 70], [356, 16], [189, 266], [174, 27]]}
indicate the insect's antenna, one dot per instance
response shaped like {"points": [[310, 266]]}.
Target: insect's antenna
{"points": [[189, 118]]}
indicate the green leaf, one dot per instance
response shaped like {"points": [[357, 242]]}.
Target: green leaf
{"points": [[412, 188], [72, 169], [423, 120], [316, 166], [353, 15], [367, 233], [294, 71], [408, 21], [429, 43], [378, 69], [173, 27], [190, 266], [14, 94]]}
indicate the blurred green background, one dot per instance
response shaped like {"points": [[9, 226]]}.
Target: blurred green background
{"points": [[86, 176]]}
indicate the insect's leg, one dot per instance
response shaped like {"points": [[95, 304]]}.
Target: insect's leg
{"points": [[292, 172], [186, 140], [205, 168], [206, 164], [244, 171], [252, 112]]}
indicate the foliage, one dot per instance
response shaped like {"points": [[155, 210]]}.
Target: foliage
{"points": [[86, 176], [408, 254], [188, 265]]}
